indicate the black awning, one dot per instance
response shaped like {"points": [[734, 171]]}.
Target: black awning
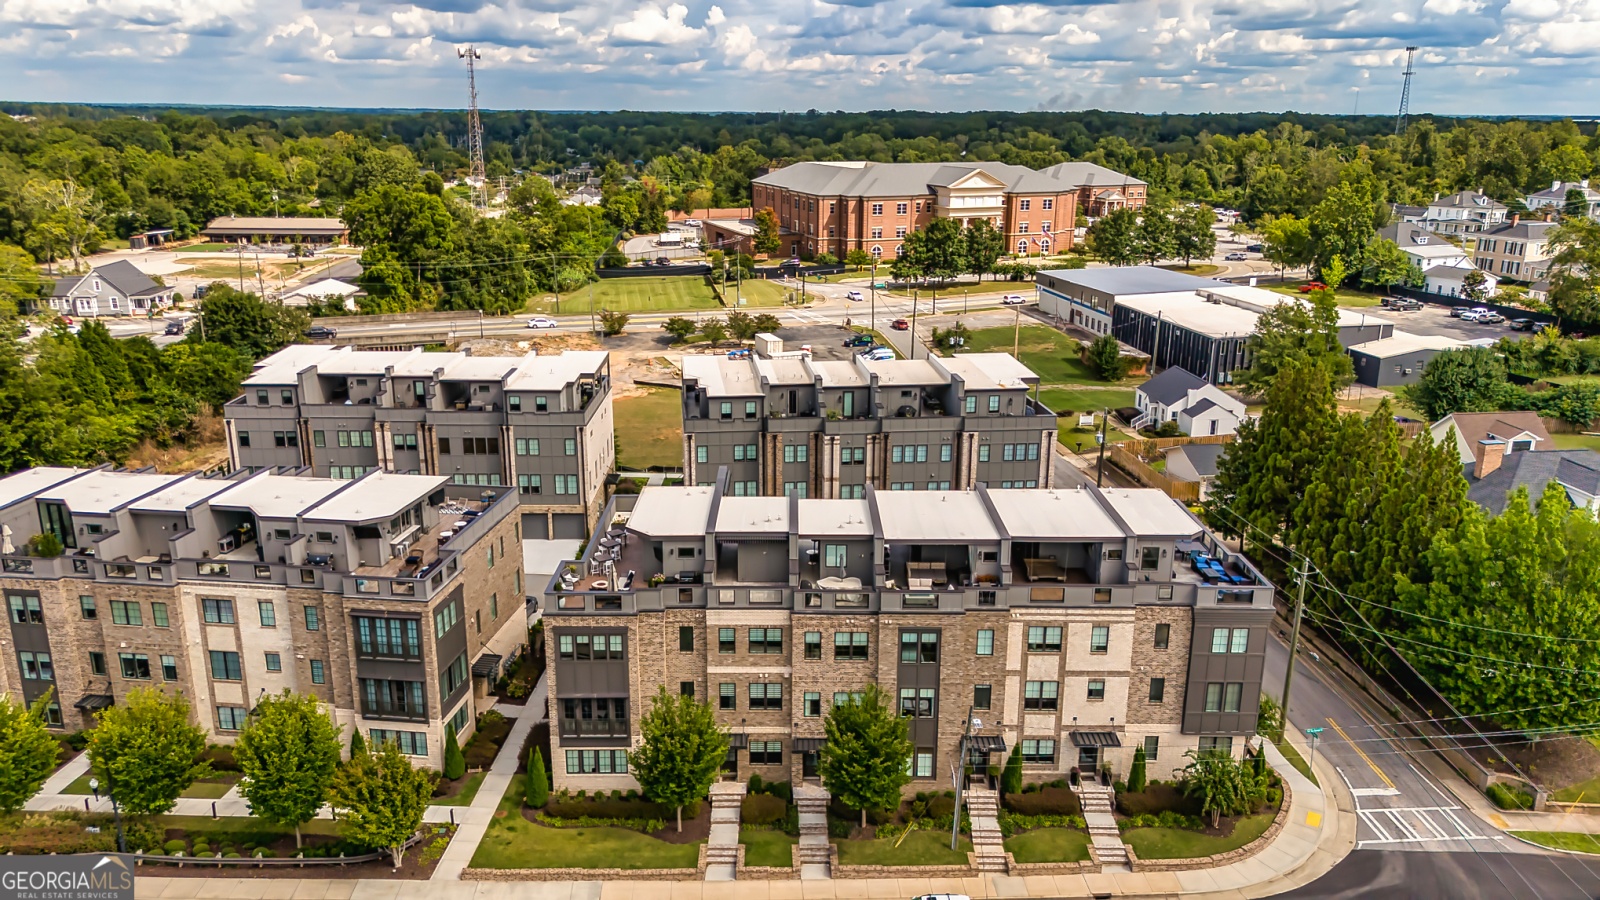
{"points": [[738, 741], [92, 702], [1095, 739], [986, 743], [808, 744], [486, 666]]}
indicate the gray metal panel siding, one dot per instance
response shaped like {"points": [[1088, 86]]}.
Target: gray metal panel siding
{"points": [[34, 639], [591, 677], [1206, 667]]}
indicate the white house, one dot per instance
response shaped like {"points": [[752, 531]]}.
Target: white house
{"points": [[1199, 407], [1450, 281], [1556, 197], [1423, 247], [1464, 212], [114, 289]]}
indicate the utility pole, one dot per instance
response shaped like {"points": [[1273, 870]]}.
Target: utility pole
{"points": [[1100, 467], [872, 285], [240, 254], [1294, 634], [1405, 93], [913, 323], [480, 191], [1016, 331], [961, 777]]}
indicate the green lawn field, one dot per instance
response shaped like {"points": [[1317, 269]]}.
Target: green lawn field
{"points": [[643, 293], [649, 429]]}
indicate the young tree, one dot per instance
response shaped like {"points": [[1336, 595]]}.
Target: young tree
{"points": [[1387, 265], [766, 239], [985, 246], [538, 784], [612, 323], [1475, 285], [858, 259], [741, 325], [864, 763], [1192, 233], [680, 327], [1114, 237], [1472, 379], [1286, 242], [1105, 357], [146, 752], [1219, 780], [1011, 775], [715, 331], [455, 765], [1297, 332], [28, 751], [681, 750], [288, 752], [358, 745], [766, 323], [1136, 772], [381, 799]]}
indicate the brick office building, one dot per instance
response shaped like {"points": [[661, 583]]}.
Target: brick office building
{"points": [[788, 424], [1072, 623], [541, 423], [836, 207], [382, 596]]}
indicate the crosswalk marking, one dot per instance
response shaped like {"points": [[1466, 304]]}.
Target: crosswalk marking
{"points": [[1399, 825]]}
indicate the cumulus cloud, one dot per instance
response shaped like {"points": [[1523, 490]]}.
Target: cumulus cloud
{"points": [[1143, 55]]}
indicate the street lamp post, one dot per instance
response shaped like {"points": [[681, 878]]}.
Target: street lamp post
{"points": [[116, 811]]}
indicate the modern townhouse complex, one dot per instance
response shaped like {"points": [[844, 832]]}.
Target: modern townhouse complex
{"points": [[383, 596], [1076, 624], [539, 423], [782, 423], [1518, 250], [836, 207]]}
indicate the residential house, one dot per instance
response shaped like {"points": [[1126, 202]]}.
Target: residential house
{"points": [[586, 195], [1450, 281], [1198, 406], [1080, 625], [1464, 212], [1555, 198], [1518, 250], [1520, 431], [1494, 475], [1423, 247], [1197, 463], [114, 289]]}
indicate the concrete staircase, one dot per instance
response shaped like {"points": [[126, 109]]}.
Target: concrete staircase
{"points": [[1103, 833], [722, 847], [815, 852], [988, 847]]}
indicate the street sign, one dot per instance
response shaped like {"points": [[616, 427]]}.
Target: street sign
{"points": [[1314, 731]]}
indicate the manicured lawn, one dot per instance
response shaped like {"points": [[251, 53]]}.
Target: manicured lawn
{"points": [[79, 786], [920, 848], [513, 842], [1053, 355], [1576, 441], [757, 292], [1588, 790], [650, 429], [1346, 297], [206, 247], [1562, 840], [1175, 843], [239, 825], [766, 848], [462, 797], [212, 788], [1295, 759], [642, 293], [1049, 845]]}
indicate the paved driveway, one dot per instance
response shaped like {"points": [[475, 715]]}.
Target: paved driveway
{"points": [[1433, 319]]}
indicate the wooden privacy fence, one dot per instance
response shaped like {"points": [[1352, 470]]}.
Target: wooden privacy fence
{"points": [[1181, 491]]}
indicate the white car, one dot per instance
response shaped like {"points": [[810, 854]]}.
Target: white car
{"points": [[854, 295], [1474, 315], [543, 322], [1012, 300], [692, 223]]}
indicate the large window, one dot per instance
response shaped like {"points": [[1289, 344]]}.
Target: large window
{"points": [[1097, 689], [1230, 640], [685, 638], [1158, 690], [454, 675], [225, 666], [36, 666], [766, 696], [387, 637], [917, 702], [1224, 696], [813, 645], [1099, 638], [1163, 635], [981, 696], [919, 647], [727, 695], [834, 555], [231, 718], [217, 612], [727, 640], [1038, 751], [388, 697], [766, 640], [135, 666], [411, 743], [850, 645], [811, 704], [597, 762], [123, 612], [1044, 639], [985, 642], [1041, 695], [766, 753]]}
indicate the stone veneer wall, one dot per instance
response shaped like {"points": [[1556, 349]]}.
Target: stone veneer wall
{"points": [[695, 874], [970, 870], [1221, 859]]}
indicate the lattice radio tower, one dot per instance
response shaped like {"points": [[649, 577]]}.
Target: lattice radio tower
{"points": [[478, 180], [1405, 94]]}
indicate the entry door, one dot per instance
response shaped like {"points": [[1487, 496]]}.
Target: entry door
{"points": [[1088, 759], [808, 764]]}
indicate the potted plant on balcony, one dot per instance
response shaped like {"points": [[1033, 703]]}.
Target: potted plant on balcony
{"points": [[657, 579]]}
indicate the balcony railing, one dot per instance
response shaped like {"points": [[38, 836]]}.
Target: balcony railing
{"points": [[594, 728]]}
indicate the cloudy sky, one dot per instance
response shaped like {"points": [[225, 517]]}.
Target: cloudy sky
{"points": [[1478, 56]]}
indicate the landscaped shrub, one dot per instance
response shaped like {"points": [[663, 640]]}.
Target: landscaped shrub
{"points": [[220, 757], [762, 809], [174, 846], [1158, 798], [1168, 819], [1045, 801], [840, 828], [1507, 797], [77, 740], [755, 784], [645, 825], [1011, 823], [601, 807]]}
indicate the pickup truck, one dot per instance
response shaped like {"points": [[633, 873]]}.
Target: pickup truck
{"points": [[1402, 304]]}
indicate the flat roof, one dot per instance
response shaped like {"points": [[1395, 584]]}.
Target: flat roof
{"points": [[180, 495], [98, 493], [272, 496], [720, 376], [934, 516], [835, 517], [1191, 312], [526, 372], [1123, 280], [784, 370], [753, 514], [1149, 512], [1260, 300], [672, 511], [377, 495], [839, 374], [905, 371], [1050, 514], [21, 485], [1406, 342], [552, 373], [989, 371]]}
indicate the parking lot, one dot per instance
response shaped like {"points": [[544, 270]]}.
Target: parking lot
{"points": [[1434, 319]]}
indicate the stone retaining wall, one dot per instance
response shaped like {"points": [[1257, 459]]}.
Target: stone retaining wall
{"points": [[1085, 867], [970, 870], [1221, 859], [698, 873]]}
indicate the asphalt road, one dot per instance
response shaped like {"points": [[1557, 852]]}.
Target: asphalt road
{"points": [[1457, 875]]}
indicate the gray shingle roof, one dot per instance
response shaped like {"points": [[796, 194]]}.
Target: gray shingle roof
{"points": [[1410, 234], [1559, 191], [1171, 386], [1468, 200], [853, 179], [1533, 469], [1197, 460], [121, 275], [1535, 230]]}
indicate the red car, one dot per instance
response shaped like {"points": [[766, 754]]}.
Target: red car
{"points": [[901, 325], [1310, 286]]}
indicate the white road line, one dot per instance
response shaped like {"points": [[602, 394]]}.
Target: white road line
{"points": [[1428, 821], [1426, 840], [1458, 823], [1374, 792], [1402, 824], [1372, 823]]}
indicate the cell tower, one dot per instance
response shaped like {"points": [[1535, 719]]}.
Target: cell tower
{"points": [[476, 178], [1405, 94]]}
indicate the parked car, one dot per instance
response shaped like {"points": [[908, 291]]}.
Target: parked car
{"points": [[1255, 248], [881, 354], [1402, 304], [1480, 315], [867, 349], [1490, 316], [854, 295], [901, 325], [1522, 324], [663, 261], [1456, 311], [1310, 286], [319, 332], [542, 322], [858, 340], [1235, 256], [692, 223], [1012, 300], [176, 326]]}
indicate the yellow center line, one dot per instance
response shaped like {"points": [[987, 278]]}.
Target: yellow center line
{"points": [[1359, 752]]}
